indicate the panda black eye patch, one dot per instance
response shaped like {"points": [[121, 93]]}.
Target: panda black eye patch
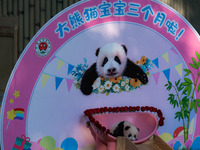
{"points": [[127, 127], [104, 61], [129, 135], [117, 59]]}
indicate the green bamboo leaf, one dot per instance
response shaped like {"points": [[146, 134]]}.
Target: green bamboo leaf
{"points": [[180, 87], [187, 70], [197, 100], [198, 88], [194, 61], [198, 65], [198, 104], [198, 56], [185, 83], [188, 80], [177, 83], [193, 66], [186, 113]]}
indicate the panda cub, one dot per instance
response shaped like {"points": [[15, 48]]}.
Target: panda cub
{"points": [[126, 129], [112, 61]]}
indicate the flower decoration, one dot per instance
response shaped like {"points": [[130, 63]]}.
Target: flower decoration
{"points": [[112, 85], [90, 112]]}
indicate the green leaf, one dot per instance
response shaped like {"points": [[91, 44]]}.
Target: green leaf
{"points": [[185, 83], [194, 61], [198, 56], [185, 102], [197, 100], [188, 80], [198, 65], [178, 115], [198, 104], [186, 113], [180, 87], [169, 86], [193, 66], [177, 83], [198, 88], [187, 70]]}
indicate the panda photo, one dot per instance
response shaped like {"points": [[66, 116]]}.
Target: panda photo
{"points": [[112, 61], [126, 129]]}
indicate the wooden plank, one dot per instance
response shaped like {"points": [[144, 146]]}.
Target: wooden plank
{"points": [[54, 7], [32, 16], [15, 7], [5, 10], [65, 4], [59, 5], [26, 22], [42, 13], [37, 15], [1, 9], [21, 26], [48, 10], [10, 8]]}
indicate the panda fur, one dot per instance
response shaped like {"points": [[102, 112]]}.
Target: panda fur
{"points": [[126, 129], [112, 61]]}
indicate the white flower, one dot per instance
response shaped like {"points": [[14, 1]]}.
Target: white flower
{"points": [[96, 83], [127, 87], [127, 80], [107, 85], [101, 89], [123, 83], [116, 88]]}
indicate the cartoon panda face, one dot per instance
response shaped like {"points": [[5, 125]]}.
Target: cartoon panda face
{"points": [[130, 131], [111, 60]]}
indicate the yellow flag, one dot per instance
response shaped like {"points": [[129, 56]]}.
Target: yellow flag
{"points": [[60, 63], [45, 78], [166, 57], [179, 68]]}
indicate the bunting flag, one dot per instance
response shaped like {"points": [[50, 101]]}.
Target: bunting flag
{"points": [[45, 78], [60, 64], [155, 61], [167, 73], [69, 84], [179, 69], [58, 81], [52, 59], [166, 57], [156, 77], [70, 68]]}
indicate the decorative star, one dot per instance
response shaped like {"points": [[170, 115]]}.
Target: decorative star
{"points": [[16, 94], [11, 114], [11, 101]]}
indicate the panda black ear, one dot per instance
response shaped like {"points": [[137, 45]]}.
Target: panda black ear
{"points": [[125, 49], [97, 52]]}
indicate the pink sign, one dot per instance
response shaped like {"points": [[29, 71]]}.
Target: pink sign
{"points": [[43, 96]]}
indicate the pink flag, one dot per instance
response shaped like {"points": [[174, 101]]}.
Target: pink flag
{"points": [[156, 77], [69, 83]]}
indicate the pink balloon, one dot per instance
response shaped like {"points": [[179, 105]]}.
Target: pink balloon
{"points": [[36, 146]]}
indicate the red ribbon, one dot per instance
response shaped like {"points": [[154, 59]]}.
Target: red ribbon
{"points": [[23, 142]]}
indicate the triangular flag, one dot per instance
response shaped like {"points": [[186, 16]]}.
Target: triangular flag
{"points": [[167, 73], [155, 61], [45, 78], [60, 63], [70, 68], [156, 77], [166, 57], [58, 81], [69, 83], [179, 68], [173, 50]]}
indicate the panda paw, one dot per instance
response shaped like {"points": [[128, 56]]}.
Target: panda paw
{"points": [[86, 89], [143, 78]]}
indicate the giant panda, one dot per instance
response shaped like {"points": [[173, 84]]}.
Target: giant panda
{"points": [[112, 61], [126, 129]]}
